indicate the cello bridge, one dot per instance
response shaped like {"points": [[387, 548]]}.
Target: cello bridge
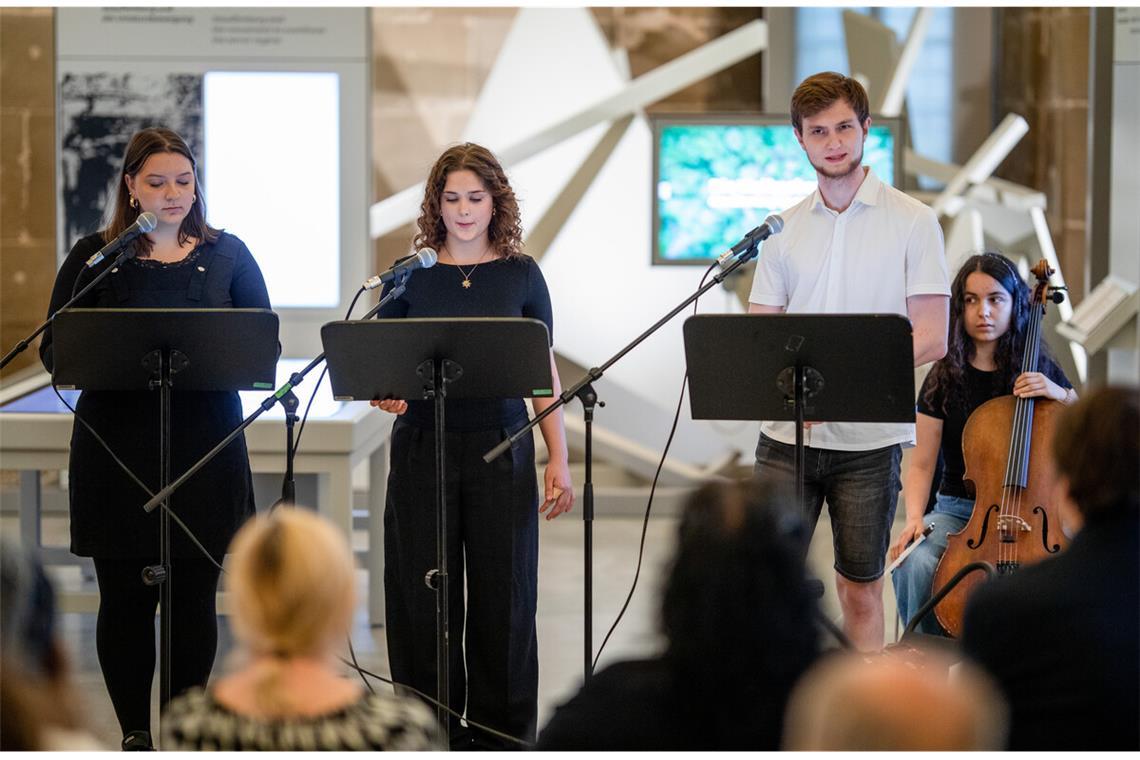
{"points": [[1013, 522]]}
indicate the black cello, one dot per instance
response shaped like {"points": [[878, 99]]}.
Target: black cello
{"points": [[1005, 445]]}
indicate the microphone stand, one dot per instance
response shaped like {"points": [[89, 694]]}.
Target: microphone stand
{"points": [[290, 403], [126, 253], [584, 391], [279, 395]]}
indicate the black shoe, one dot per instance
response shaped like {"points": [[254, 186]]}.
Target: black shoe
{"points": [[137, 741]]}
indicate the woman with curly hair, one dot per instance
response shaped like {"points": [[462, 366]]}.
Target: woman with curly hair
{"points": [[471, 217], [989, 316]]}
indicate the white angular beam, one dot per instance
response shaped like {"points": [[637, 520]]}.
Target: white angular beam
{"points": [[896, 90], [982, 164], [402, 207]]}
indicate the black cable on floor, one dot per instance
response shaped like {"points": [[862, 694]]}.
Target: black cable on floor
{"points": [[363, 673]]}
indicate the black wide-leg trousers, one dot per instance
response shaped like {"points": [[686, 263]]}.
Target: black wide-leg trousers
{"points": [[492, 542]]}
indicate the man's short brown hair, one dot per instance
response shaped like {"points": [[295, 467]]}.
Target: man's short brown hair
{"points": [[1095, 449], [820, 91]]}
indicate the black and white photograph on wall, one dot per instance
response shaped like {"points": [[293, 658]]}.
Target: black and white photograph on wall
{"points": [[98, 113]]}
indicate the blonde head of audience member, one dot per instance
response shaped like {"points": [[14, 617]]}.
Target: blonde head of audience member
{"points": [[292, 590], [857, 703], [292, 586]]}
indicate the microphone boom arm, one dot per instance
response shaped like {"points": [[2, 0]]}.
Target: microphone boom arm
{"points": [[596, 373], [294, 380]]}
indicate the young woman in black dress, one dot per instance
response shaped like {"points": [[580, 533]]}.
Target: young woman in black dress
{"points": [[182, 263], [470, 216]]}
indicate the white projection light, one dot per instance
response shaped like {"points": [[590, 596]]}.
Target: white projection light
{"points": [[272, 176]]}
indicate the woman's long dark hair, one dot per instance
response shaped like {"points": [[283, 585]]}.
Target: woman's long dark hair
{"points": [[949, 372], [736, 610], [144, 144]]}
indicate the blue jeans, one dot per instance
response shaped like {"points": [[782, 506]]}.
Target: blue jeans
{"points": [[861, 489], [914, 578]]}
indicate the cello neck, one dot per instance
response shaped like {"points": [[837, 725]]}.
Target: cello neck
{"points": [[1017, 465]]}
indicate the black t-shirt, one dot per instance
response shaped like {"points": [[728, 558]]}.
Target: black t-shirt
{"points": [[980, 388], [511, 287]]}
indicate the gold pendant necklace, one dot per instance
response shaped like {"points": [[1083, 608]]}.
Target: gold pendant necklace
{"points": [[467, 274]]}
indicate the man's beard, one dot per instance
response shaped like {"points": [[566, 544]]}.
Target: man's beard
{"points": [[854, 165]]}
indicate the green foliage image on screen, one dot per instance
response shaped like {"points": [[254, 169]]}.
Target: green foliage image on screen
{"points": [[716, 182]]}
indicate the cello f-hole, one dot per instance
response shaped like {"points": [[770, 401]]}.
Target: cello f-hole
{"points": [[985, 527], [1045, 530]]}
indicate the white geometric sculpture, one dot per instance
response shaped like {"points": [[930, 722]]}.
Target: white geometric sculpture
{"points": [[1104, 312], [716, 55], [1005, 210]]}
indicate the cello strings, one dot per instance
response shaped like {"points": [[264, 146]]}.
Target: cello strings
{"points": [[1016, 465], [1033, 349]]}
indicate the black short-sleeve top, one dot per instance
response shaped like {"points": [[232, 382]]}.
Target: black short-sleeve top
{"points": [[980, 388], [507, 287]]}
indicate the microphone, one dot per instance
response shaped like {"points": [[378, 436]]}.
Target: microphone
{"points": [[771, 226], [424, 258], [145, 223]]}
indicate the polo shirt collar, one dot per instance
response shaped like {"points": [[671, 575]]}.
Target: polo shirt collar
{"points": [[867, 195]]}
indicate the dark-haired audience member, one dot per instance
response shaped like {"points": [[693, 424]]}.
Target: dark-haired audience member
{"points": [[739, 623], [293, 589], [38, 706], [1062, 637], [888, 704]]}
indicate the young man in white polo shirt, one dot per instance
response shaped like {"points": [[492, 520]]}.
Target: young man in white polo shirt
{"points": [[855, 245]]}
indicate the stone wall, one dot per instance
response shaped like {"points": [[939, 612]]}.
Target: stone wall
{"points": [[1044, 76], [27, 174]]}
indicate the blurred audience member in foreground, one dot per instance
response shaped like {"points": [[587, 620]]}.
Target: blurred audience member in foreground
{"points": [[1062, 637], [38, 706], [292, 587], [738, 620], [884, 703]]}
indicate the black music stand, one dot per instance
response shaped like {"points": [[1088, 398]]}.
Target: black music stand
{"points": [[434, 359], [799, 367], [148, 349]]}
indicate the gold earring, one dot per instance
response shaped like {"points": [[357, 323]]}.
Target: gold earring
{"points": [[134, 203]]}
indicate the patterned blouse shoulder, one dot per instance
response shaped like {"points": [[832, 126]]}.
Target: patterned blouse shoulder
{"points": [[196, 721]]}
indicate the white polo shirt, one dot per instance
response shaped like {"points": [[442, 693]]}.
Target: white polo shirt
{"points": [[884, 248]]}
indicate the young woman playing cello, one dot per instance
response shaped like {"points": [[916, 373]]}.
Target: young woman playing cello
{"points": [[989, 314]]}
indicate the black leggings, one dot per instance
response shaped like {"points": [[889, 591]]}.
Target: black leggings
{"points": [[125, 632]]}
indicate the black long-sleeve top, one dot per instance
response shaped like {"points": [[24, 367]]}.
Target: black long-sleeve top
{"points": [[107, 519]]}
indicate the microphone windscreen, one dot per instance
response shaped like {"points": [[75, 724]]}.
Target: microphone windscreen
{"points": [[427, 257], [147, 221], [775, 223]]}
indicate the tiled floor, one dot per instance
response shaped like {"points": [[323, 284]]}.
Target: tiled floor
{"points": [[560, 614]]}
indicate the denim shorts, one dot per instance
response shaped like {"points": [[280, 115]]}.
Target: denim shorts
{"points": [[861, 489]]}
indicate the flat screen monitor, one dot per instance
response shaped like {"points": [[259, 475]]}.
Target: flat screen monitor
{"points": [[717, 177]]}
